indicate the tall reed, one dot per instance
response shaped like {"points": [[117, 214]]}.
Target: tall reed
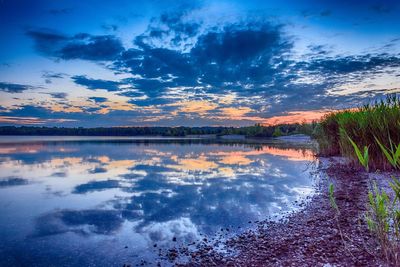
{"points": [[383, 214], [377, 121]]}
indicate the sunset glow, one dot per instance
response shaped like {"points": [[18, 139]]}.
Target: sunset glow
{"points": [[193, 63]]}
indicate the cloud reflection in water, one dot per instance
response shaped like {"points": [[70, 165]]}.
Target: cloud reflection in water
{"points": [[153, 191]]}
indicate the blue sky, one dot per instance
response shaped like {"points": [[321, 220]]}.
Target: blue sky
{"points": [[193, 63]]}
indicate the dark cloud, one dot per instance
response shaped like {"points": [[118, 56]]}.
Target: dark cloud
{"points": [[59, 95], [49, 76], [175, 27], [351, 64], [80, 46], [98, 170], [14, 87], [98, 99], [13, 181], [235, 55], [96, 186], [104, 222], [94, 84], [239, 55], [92, 48], [236, 45], [46, 41], [178, 30], [59, 174]]}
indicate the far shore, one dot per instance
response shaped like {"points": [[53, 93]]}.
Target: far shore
{"points": [[297, 138]]}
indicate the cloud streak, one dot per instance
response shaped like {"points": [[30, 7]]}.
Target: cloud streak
{"points": [[14, 87]]}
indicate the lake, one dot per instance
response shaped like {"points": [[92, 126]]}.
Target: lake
{"points": [[79, 201]]}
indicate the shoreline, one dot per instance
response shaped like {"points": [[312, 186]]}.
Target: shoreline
{"points": [[309, 237]]}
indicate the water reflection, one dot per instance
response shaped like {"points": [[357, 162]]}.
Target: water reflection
{"points": [[12, 181], [108, 203]]}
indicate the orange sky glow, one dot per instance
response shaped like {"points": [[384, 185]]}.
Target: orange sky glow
{"points": [[297, 117]]}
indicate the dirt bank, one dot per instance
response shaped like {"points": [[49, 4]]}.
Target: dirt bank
{"points": [[310, 237]]}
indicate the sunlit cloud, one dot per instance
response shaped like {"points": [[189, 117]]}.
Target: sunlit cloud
{"points": [[246, 157], [201, 163], [31, 120], [235, 158], [291, 154], [297, 117], [30, 149], [198, 107], [65, 108]]}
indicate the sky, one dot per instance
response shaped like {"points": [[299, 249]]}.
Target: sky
{"points": [[110, 63]]}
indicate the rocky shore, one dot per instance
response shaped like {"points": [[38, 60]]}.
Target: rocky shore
{"points": [[315, 236]]}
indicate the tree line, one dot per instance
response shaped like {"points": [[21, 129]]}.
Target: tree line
{"points": [[257, 130]]}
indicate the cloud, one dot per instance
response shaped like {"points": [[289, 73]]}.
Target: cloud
{"points": [[197, 107], [30, 120], [98, 99], [179, 68], [80, 46], [59, 95], [253, 61], [297, 117], [83, 222], [94, 84], [13, 181], [49, 76], [229, 58], [351, 64], [14, 87], [98, 170], [96, 186], [173, 27]]}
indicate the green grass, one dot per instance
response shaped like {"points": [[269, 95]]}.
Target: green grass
{"points": [[375, 126], [383, 215], [363, 158]]}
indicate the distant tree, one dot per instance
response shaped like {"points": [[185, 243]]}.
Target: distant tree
{"points": [[277, 132]]}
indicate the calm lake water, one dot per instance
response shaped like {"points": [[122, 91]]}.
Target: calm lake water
{"points": [[108, 201]]}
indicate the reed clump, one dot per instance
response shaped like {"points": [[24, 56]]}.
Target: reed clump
{"points": [[383, 213], [364, 126]]}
